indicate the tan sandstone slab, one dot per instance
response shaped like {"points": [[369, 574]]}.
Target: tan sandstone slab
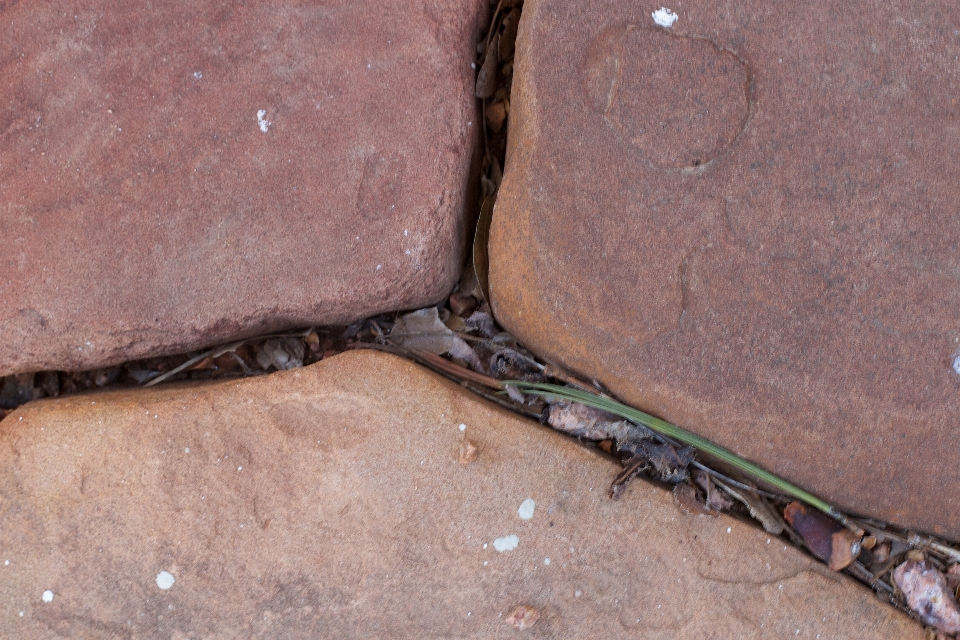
{"points": [[329, 502], [174, 175], [747, 223]]}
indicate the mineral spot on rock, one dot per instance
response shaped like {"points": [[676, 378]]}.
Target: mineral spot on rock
{"points": [[745, 224], [177, 176], [342, 525]]}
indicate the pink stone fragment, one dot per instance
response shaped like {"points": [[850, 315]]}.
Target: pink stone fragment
{"points": [[926, 591]]}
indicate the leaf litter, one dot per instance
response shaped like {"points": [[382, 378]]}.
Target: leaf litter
{"points": [[461, 340]]}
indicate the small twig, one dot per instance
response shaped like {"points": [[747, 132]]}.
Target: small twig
{"points": [[731, 481], [212, 353], [921, 541]]}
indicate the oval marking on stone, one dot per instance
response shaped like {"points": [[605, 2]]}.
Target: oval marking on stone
{"points": [[680, 100]]}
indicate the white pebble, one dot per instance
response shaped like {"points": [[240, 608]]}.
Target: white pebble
{"points": [[506, 543], [526, 509], [165, 580], [664, 17], [47, 596], [463, 427]]}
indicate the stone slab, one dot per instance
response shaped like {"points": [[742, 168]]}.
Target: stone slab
{"points": [[330, 502], [746, 223], [174, 176]]}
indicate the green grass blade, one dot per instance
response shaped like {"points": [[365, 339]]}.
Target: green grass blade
{"points": [[680, 435]]}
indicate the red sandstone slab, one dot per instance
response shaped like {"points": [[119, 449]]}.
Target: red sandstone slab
{"points": [[174, 175], [748, 224], [330, 502]]}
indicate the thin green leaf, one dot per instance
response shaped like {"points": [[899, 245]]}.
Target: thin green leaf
{"points": [[680, 435]]}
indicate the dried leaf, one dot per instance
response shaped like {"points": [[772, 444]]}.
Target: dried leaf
{"points": [[523, 617], [424, 331], [487, 78], [508, 38], [282, 353], [827, 539], [715, 499], [509, 364], [481, 258], [631, 468], [483, 323], [759, 510], [927, 593], [496, 113], [455, 323], [464, 352], [496, 174], [686, 498], [584, 422], [461, 303], [669, 462]]}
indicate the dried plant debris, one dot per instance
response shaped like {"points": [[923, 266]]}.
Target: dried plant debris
{"points": [[826, 538], [925, 589], [424, 331], [714, 499], [281, 353]]}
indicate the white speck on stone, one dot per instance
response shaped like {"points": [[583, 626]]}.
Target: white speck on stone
{"points": [[506, 543], [664, 17], [165, 580], [262, 121], [239, 468], [729, 529], [198, 75], [408, 252], [526, 509], [405, 233], [484, 545], [546, 561], [187, 450], [956, 363], [47, 596], [577, 593]]}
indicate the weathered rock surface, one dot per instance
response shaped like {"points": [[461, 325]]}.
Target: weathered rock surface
{"points": [[174, 176], [748, 224], [329, 502]]}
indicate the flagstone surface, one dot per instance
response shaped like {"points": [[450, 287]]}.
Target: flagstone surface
{"points": [[331, 501], [747, 223], [176, 175]]}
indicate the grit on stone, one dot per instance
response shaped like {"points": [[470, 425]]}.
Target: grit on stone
{"points": [[177, 175], [747, 223], [330, 501]]}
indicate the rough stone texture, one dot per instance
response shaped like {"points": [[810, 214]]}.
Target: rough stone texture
{"points": [[748, 224], [149, 207], [329, 502]]}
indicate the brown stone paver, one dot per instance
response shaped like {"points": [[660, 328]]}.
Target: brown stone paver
{"points": [[329, 502], [747, 224], [177, 175]]}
